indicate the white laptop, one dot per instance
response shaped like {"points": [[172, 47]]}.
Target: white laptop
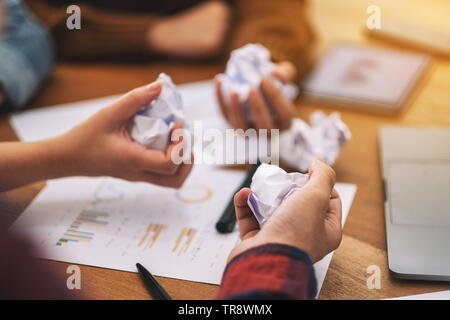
{"points": [[416, 172]]}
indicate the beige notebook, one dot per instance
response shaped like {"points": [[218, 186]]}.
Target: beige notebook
{"points": [[368, 78]]}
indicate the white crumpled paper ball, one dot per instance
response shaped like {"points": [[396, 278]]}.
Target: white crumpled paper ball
{"points": [[270, 186], [301, 143], [151, 125], [245, 70]]}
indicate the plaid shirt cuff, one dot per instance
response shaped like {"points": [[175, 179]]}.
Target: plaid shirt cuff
{"points": [[270, 271]]}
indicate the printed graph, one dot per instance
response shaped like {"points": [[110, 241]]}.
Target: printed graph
{"points": [[193, 193], [83, 227], [151, 234], [184, 240]]}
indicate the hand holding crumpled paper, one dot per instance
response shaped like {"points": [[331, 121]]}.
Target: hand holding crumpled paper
{"points": [[152, 125], [301, 143], [246, 68], [270, 186], [324, 138]]}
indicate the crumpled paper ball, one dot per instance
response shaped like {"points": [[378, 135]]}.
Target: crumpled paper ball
{"points": [[270, 186], [301, 143], [151, 126], [245, 70]]}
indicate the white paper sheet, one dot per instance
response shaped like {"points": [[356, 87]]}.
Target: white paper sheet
{"points": [[114, 224]]}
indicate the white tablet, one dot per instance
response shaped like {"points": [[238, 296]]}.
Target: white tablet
{"points": [[366, 77]]}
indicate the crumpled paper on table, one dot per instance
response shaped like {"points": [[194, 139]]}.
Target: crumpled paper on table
{"points": [[151, 126], [245, 70], [324, 138], [270, 186]]}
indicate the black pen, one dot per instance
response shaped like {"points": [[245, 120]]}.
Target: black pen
{"points": [[227, 221], [156, 290]]}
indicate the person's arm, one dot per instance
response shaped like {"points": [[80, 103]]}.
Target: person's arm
{"points": [[282, 26], [23, 163], [275, 261], [26, 55], [270, 271], [194, 33], [100, 146], [103, 34]]}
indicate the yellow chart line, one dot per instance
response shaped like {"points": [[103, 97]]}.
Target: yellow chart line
{"points": [[186, 232], [158, 231], [79, 235], [191, 235], [68, 238], [89, 222], [149, 228], [180, 237]]}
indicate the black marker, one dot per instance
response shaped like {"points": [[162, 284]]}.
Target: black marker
{"points": [[156, 290], [227, 221]]}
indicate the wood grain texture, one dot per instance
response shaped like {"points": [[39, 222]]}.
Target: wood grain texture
{"points": [[364, 241]]}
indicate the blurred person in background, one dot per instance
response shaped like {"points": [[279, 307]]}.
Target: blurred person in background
{"points": [[193, 30], [26, 55]]}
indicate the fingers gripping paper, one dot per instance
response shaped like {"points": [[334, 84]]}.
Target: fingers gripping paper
{"points": [[245, 70], [151, 126], [324, 138], [270, 186]]}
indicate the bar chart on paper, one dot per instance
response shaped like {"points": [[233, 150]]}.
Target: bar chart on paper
{"points": [[154, 228], [112, 223], [82, 228]]}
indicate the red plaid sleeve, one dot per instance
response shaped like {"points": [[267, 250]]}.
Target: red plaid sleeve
{"points": [[271, 271]]}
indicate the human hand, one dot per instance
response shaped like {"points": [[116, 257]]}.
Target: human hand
{"points": [[101, 146], [195, 33], [283, 109], [309, 219]]}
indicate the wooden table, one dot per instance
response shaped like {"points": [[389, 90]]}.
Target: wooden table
{"points": [[364, 241]]}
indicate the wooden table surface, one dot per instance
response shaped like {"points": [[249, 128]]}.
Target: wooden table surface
{"points": [[364, 241]]}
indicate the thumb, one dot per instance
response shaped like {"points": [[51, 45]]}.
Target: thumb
{"points": [[322, 177], [247, 223], [285, 71], [135, 100]]}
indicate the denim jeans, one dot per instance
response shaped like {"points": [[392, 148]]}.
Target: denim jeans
{"points": [[26, 55]]}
